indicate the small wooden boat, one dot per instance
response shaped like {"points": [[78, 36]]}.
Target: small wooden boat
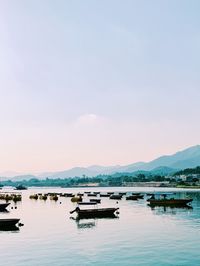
{"points": [[140, 196], [95, 200], [122, 193], [134, 197], [69, 195], [160, 199], [104, 195], [80, 194], [91, 195], [116, 197], [21, 187], [3, 206], [110, 193], [136, 193], [8, 222], [95, 213], [169, 202]]}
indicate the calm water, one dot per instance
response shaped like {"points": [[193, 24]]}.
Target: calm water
{"points": [[140, 236]]}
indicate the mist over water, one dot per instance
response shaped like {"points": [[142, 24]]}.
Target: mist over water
{"points": [[139, 236]]}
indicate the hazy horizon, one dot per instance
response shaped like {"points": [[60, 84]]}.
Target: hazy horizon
{"points": [[97, 82], [11, 173]]}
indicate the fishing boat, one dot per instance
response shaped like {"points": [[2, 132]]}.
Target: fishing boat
{"points": [[69, 195], [8, 222], [21, 187], [3, 206], [116, 197], [91, 195], [104, 195], [95, 213], [171, 202], [134, 197], [95, 200]]}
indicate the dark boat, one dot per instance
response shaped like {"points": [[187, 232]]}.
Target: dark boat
{"points": [[69, 195], [95, 213], [169, 202], [134, 197], [138, 196], [80, 194], [91, 195], [4, 223], [21, 187], [116, 197], [162, 200], [3, 206], [95, 200], [104, 195]]}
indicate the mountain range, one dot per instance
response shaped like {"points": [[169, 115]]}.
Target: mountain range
{"points": [[187, 158]]}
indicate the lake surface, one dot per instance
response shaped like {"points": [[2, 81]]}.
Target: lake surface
{"points": [[140, 236]]}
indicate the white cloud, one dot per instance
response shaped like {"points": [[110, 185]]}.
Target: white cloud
{"points": [[87, 119]]}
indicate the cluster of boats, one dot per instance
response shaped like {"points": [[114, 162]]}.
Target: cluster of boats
{"points": [[153, 200], [52, 196], [93, 199], [11, 197], [8, 224]]}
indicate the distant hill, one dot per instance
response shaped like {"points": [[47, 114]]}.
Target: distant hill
{"points": [[188, 158], [157, 171]]}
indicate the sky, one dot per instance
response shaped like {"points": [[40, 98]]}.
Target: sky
{"points": [[102, 82]]}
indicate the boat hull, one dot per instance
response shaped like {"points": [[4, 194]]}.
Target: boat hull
{"points": [[3, 206], [134, 197], [4, 223], [97, 213], [169, 202], [116, 197]]}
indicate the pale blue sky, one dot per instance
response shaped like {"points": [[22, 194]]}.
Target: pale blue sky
{"points": [[97, 81]]}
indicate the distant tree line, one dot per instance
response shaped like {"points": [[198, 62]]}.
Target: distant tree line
{"points": [[189, 171], [102, 180]]}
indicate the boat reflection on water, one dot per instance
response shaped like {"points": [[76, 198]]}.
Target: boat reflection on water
{"points": [[4, 211], [90, 223], [13, 228], [82, 224], [171, 210]]}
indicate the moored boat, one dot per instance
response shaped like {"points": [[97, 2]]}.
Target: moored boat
{"points": [[169, 202], [104, 195], [91, 195], [116, 197], [162, 200], [95, 213], [3, 206], [95, 200], [21, 187], [8, 222], [134, 197]]}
